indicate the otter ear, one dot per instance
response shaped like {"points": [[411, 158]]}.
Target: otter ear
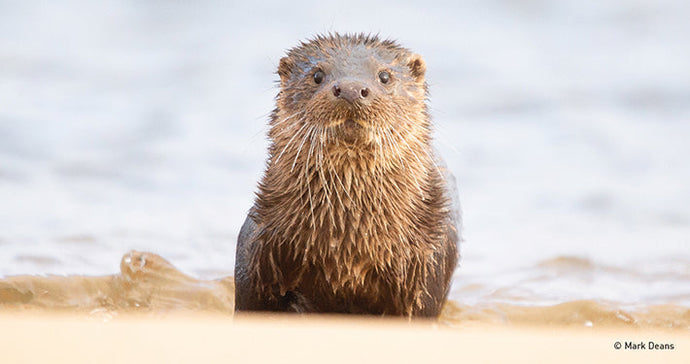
{"points": [[417, 67], [285, 69]]}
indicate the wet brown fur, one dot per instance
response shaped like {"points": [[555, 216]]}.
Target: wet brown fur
{"points": [[349, 222]]}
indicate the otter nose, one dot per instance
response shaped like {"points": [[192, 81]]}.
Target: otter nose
{"points": [[350, 90]]}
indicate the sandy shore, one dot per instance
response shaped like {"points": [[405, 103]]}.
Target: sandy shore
{"points": [[35, 337], [151, 312]]}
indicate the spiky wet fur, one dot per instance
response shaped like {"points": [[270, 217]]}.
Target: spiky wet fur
{"points": [[355, 226]]}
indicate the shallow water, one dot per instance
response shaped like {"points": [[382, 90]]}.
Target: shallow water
{"points": [[140, 126], [149, 284]]}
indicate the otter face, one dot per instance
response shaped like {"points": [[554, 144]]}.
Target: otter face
{"points": [[355, 89]]}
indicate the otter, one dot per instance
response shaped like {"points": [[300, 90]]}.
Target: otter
{"points": [[355, 212]]}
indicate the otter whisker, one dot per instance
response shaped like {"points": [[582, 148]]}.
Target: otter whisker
{"points": [[395, 147], [333, 172], [324, 182], [290, 141], [408, 147], [294, 162], [287, 118], [308, 179], [426, 150]]}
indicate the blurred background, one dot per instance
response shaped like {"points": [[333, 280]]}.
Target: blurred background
{"points": [[141, 125]]}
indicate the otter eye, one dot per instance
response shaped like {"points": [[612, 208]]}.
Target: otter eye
{"points": [[384, 76], [318, 77]]}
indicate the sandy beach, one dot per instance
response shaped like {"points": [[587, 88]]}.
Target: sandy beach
{"points": [[152, 312], [50, 338]]}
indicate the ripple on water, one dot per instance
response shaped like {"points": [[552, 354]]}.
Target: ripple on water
{"points": [[583, 313], [148, 283]]}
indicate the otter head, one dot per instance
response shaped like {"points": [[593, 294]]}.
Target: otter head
{"points": [[351, 90]]}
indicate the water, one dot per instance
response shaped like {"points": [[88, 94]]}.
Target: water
{"points": [[141, 125]]}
